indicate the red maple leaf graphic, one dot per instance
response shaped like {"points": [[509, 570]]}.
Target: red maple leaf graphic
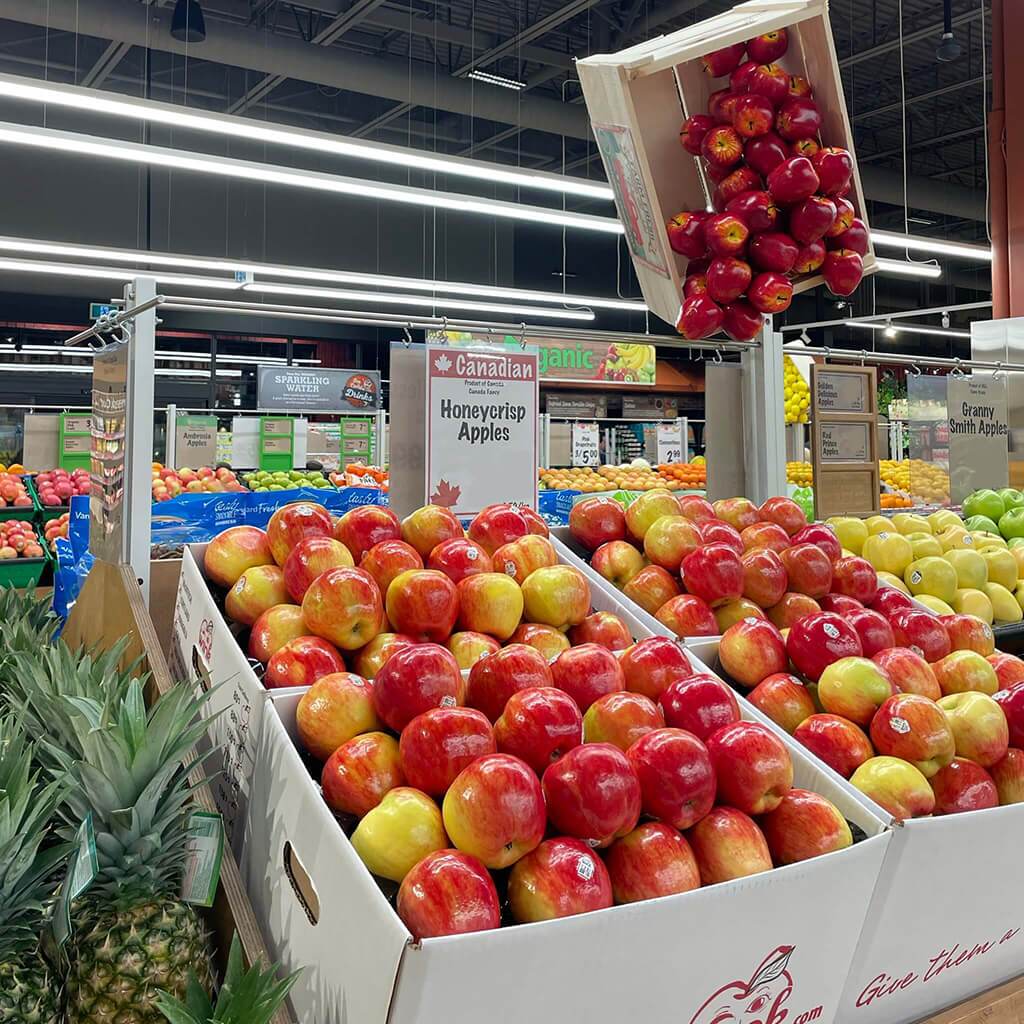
{"points": [[446, 495]]}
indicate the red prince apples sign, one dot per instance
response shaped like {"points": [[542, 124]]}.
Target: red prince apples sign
{"points": [[481, 427]]}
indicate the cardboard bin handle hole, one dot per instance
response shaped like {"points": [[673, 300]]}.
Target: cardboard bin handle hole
{"points": [[302, 884]]}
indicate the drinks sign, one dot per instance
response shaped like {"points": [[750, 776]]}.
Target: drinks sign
{"points": [[308, 389], [481, 426]]}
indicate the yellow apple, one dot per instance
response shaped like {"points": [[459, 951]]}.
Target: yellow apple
{"points": [[924, 544], [1005, 607], [935, 604], [878, 524], [971, 568], [894, 581], [931, 575], [943, 519], [1002, 566], [972, 601], [399, 832], [907, 522], [852, 532], [888, 552]]}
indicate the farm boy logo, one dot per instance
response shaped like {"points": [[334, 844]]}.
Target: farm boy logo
{"points": [[758, 1000]]}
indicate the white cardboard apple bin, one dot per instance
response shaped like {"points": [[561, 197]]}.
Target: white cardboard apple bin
{"points": [[638, 98], [947, 917], [760, 940]]}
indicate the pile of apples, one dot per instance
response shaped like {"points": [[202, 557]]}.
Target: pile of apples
{"points": [[19, 540], [57, 528], [169, 483], [13, 492], [597, 769], [56, 487], [918, 711], [699, 567], [780, 206]]}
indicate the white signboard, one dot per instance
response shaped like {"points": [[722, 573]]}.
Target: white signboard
{"points": [[586, 449], [481, 414], [670, 443], [978, 433]]}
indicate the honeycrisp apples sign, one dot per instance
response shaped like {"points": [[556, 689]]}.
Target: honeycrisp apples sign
{"points": [[481, 443]]}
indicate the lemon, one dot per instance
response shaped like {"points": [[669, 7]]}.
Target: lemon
{"points": [[1005, 607], [971, 568], [907, 522], [888, 552], [924, 544], [933, 604], [931, 575], [1002, 566], [943, 519], [878, 524], [894, 581], [972, 601], [852, 532]]}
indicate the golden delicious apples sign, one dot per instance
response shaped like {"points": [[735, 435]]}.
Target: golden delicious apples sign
{"points": [[481, 427]]}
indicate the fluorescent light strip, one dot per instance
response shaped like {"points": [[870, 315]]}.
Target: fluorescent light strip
{"points": [[421, 301], [905, 269], [61, 368], [88, 252], [932, 246], [99, 102], [112, 274], [900, 328], [489, 79], [245, 170], [185, 357]]}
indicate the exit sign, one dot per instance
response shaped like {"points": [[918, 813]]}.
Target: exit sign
{"points": [[98, 309]]}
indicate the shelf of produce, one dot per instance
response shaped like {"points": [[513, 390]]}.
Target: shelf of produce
{"points": [[23, 513]]}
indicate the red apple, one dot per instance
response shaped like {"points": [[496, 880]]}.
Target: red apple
{"points": [[725, 233], [834, 168], [969, 633], [741, 321], [810, 219], [842, 270], [728, 278], [364, 527], [549, 641], [774, 250], [784, 699], [798, 118], [755, 208], [654, 860], [233, 551], [273, 629], [294, 522], [333, 710], [458, 558], [596, 521], [792, 181], [740, 78], [425, 528], [586, 673], [469, 647], [695, 508], [979, 727], [494, 679], [720, 106], [714, 531], [804, 825], [808, 569], [713, 573], [651, 588], [791, 608], [855, 237], [768, 47], [764, 535], [855, 577], [700, 317], [1011, 700], [448, 893], [1008, 775], [650, 666], [592, 793], [739, 513], [909, 672], [691, 135], [700, 704], [915, 728], [621, 719], [389, 559], [818, 640], [301, 662], [843, 746], [562, 877], [494, 810], [367, 660], [1009, 669], [603, 628], [722, 147], [695, 284], [770, 293], [784, 512], [676, 776], [753, 115], [687, 615], [669, 540], [416, 679], [888, 600], [686, 233], [360, 772], [727, 845], [770, 81], [343, 606], [256, 591], [764, 577], [539, 725], [799, 86], [617, 561], [735, 183], [751, 651], [311, 557], [840, 604], [752, 766], [821, 535], [424, 604], [490, 603], [961, 786], [809, 258], [765, 153], [874, 631], [722, 62], [921, 632], [436, 745]]}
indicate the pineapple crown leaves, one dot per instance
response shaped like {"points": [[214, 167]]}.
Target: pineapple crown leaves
{"points": [[133, 778], [28, 621], [247, 996]]}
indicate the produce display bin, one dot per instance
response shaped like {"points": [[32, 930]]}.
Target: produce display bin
{"points": [[23, 572], [759, 943], [25, 513], [947, 918], [638, 98]]}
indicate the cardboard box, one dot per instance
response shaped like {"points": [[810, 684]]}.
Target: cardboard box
{"points": [[680, 958], [638, 98], [947, 918]]}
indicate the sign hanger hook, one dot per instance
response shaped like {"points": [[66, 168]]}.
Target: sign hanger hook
{"points": [[718, 356], [408, 336]]}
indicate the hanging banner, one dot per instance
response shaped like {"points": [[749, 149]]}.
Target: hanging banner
{"points": [[978, 434], [311, 389], [928, 442], [670, 442], [481, 427], [586, 445]]}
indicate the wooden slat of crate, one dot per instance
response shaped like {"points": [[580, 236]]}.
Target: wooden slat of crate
{"points": [[1002, 1005]]}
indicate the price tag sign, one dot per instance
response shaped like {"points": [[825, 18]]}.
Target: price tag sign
{"points": [[586, 449], [670, 443]]}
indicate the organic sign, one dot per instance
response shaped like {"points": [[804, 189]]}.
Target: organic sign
{"points": [[481, 413], [978, 434], [312, 389]]}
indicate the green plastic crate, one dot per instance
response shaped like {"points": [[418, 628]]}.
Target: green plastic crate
{"points": [[46, 512], [20, 572]]}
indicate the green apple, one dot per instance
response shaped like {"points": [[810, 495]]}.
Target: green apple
{"points": [[982, 523], [1012, 498], [1011, 524], [984, 503]]}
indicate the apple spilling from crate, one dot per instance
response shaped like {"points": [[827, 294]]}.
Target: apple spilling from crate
{"points": [[779, 205], [478, 727], [56, 487], [169, 483], [19, 540]]}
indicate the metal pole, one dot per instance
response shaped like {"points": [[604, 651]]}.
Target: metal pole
{"points": [[764, 426], [111, 320], [882, 317], [847, 355], [171, 443]]}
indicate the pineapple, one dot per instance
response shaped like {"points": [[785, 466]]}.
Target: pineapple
{"points": [[246, 997], [29, 993], [29, 623], [132, 935]]}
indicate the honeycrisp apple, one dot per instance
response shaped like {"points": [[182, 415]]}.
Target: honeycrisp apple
{"points": [[233, 551], [651, 588], [896, 786], [494, 679], [962, 786], [617, 561], [700, 704], [651, 861], [804, 825], [257, 590], [425, 528], [595, 521], [539, 725], [854, 688], [669, 540], [752, 766], [273, 629], [399, 832], [556, 595], [751, 650], [908, 671], [586, 673], [1008, 775], [308, 559], [423, 603], [713, 573], [964, 671], [728, 844], [560, 878], [368, 660], [764, 577], [469, 647], [490, 603], [677, 780], [732, 612], [1011, 700], [1009, 669], [979, 727], [359, 773], [621, 719], [448, 893], [416, 679], [784, 699], [646, 510], [301, 662], [521, 557], [497, 525], [362, 528], [438, 744], [687, 615], [791, 608], [549, 641], [293, 523], [333, 710], [916, 729], [842, 745], [389, 559], [343, 606], [603, 628], [458, 558], [651, 665], [764, 535]]}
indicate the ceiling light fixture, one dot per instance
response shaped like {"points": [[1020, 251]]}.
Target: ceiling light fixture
{"points": [[932, 246], [948, 48], [488, 79], [99, 102], [890, 331], [113, 274], [187, 22], [907, 269], [902, 328]]}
